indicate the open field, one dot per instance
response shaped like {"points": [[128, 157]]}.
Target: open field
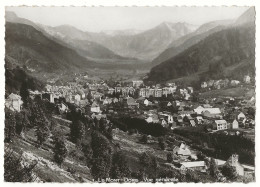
{"points": [[246, 92]]}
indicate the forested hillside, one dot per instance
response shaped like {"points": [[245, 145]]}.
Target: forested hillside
{"points": [[212, 56], [31, 48]]}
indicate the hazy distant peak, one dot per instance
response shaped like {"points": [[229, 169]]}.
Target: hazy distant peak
{"points": [[67, 26], [9, 16], [121, 32], [178, 25], [247, 17], [210, 25]]}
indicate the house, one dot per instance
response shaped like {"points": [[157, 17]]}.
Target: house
{"points": [[177, 103], [152, 118], [137, 83], [63, 107], [199, 119], [180, 119], [158, 92], [107, 101], [115, 100], [95, 108], [190, 89], [192, 123], [207, 106], [199, 110], [169, 104], [235, 124], [146, 102], [241, 169], [49, 96], [170, 119], [173, 125], [220, 125], [163, 122], [34, 94], [204, 85], [247, 79], [185, 113], [110, 91], [210, 112], [170, 84], [187, 97], [142, 92], [98, 116], [68, 99], [241, 116], [48, 88], [14, 102], [234, 82], [130, 102], [97, 96], [85, 76], [233, 161], [82, 103], [182, 149], [195, 165]]}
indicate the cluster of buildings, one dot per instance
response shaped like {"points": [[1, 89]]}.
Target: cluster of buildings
{"points": [[169, 89], [183, 164], [171, 113], [218, 84]]}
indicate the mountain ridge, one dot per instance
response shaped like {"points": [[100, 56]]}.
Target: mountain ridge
{"points": [[224, 48]]}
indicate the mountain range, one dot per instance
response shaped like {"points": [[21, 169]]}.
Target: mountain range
{"points": [[170, 50], [145, 45], [70, 39], [219, 52]]}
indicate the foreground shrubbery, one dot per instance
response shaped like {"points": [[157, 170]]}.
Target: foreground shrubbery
{"points": [[127, 124], [17, 171], [221, 145]]}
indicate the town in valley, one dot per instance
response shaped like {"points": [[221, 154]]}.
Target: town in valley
{"points": [[175, 121]]}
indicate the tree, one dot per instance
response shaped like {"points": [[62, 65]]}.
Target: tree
{"points": [[103, 125], [144, 139], [154, 166], [169, 157], [20, 122], [77, 131], [24, 92], [145, 160], [101, 159], [213, 168], [42, 133], [10, 124], [60, 151], [120, 168], [86, 149], [162, 144], [229, 172]]}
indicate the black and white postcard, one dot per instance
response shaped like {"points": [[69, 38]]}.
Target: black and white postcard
{"points": [[137, 94]]}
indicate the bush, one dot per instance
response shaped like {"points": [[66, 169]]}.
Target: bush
{"points": [[127, 123], [144, 139], [60, 151], [229, 172], [15, 170], [169, 157]]}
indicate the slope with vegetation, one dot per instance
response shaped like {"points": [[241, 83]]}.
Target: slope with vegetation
{"points": [[210, 57], [31, 48]]}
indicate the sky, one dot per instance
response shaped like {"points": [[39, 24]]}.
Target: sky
{"points": [[97, 19]]}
